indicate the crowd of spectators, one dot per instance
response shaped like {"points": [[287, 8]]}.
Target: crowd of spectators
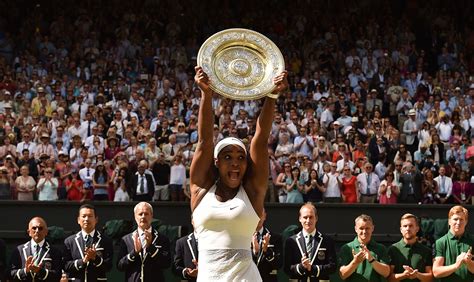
{"points": [[380, 106]]}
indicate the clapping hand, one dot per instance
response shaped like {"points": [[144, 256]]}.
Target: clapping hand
{"points": [[359, 256], [136, 243], [90, 254], [30, 265], [409, 272], [266, 241], [306, 263]]}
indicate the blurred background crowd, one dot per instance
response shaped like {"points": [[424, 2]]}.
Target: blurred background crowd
{"points": [[380, 106]]}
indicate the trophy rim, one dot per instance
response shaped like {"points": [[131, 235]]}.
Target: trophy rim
{"points": [[241, 93]]}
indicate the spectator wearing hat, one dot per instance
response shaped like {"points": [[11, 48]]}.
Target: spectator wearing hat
{"points": [[410, 129], [8, 110], [112, 148], [372, 102], [40, 93], [44, 148], [333, 132]]}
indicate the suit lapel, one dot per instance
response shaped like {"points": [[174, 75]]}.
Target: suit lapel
{"points": [[315, 251], [80, 243], [301, 243], [264, 232], [46, 248], [97, 238], [192, 246], [26, 250]]}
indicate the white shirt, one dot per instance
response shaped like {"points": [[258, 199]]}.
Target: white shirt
{"points": [[341, 163], [33, 245], [445, 185], [85, 176], [31, 146], [444, 130], [332, 191], [85, 126], [178, 174], [73, 131], [373, 185], [145, 187], [326, 118]]}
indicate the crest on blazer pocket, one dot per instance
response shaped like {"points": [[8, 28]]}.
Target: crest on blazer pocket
{"points": [[322, 254]]}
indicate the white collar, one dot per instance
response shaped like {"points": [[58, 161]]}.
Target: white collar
{"points": [[140, 231], [33, 243], [306, 235], [84, 234], [260, 231]]}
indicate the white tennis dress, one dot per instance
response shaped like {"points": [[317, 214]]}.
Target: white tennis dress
{"points": [[224, 231]]}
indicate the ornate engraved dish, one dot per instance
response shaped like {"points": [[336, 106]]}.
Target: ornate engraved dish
{"points": [[240, 63]]}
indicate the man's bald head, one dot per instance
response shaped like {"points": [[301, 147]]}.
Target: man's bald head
{"points": [[37, 229]]}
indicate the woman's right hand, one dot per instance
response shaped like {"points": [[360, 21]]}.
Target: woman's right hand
{"points": [[202, 79]]}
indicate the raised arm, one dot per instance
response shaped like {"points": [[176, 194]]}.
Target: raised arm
{"points": [[257, 173], [201, 174]]}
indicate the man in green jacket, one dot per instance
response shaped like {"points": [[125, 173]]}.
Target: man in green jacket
{"points": [[453, 252], [363, 259], [409, 259]]}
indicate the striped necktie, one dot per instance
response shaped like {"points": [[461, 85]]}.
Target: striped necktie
{"points": [[309, 245]]}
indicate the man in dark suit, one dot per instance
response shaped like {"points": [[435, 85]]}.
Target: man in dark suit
{"points": [[88, 254], [186, 258], [410, 179], [377, 144], [144, 253], [309, 255], [36, 260], [141, 186], [266, 251]]}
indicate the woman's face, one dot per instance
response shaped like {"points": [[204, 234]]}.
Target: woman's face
{"points": [[313, 174], [232, 165], [24, 171]]}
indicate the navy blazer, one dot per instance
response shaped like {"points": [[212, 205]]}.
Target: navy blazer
{"points": [[323, 257], [186, 250], [50, 261], [269, 262], [96, 270], [146, 266]]}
